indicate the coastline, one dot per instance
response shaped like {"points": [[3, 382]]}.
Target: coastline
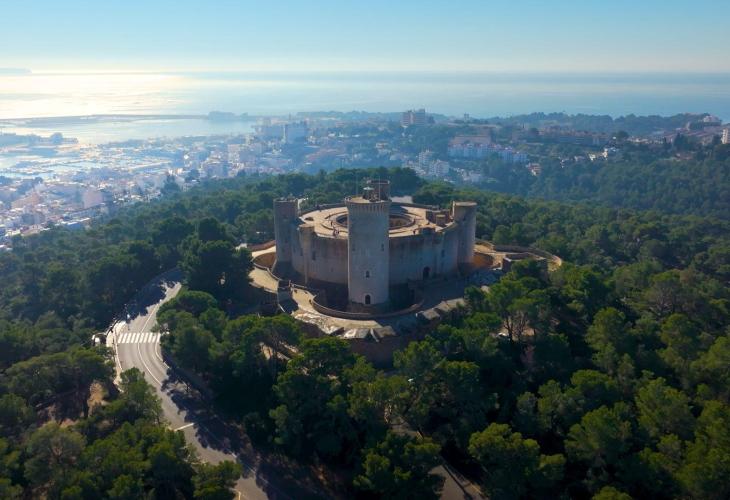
{"points": [[117, 117]]}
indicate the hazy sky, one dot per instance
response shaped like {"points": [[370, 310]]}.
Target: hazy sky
{"points": [[478, 35]]}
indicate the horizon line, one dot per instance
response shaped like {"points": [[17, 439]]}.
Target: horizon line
{"points": [[22, 71]]}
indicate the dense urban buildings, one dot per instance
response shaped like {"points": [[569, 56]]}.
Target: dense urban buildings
{"points": [[414, 117], [55, 180]]}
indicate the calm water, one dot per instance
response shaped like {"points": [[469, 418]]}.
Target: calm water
{"points": [[103, 132], [481, 95]]}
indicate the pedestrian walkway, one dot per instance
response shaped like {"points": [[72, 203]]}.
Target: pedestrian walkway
{"points": [[138, 338]]}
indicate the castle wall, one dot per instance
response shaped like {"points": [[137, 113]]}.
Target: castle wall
{"points": [[324, 260], [327, 257], [413, 257]]}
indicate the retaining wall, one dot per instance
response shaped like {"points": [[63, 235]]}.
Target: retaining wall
{"points": [[362, 316], [554, 259], [261, 246]]}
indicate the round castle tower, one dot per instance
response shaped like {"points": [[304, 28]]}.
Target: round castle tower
{"points": [[464, 213], [368, 263], [285, 215]]}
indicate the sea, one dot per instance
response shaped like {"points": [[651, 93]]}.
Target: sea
{"points": [[480, 94]]}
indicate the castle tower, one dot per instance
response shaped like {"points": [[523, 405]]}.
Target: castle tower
{"points": [[381, 188], [464, 214], [285, 213], [368, 264]]}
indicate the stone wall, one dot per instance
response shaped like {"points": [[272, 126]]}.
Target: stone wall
{"points": [[325, 259], [410, 256], [320, 299]]}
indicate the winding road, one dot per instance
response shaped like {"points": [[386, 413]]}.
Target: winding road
{"points": [[137, 346]]}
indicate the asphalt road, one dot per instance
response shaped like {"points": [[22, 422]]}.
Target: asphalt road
{"points": [[137, 346]]}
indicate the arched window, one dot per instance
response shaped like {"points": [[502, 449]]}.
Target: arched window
{"points": [[367, 299], [367, 274], [382, 247]]}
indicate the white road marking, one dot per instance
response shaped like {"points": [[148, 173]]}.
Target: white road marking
{"points": [[115, 343], [138, 338], [185, 426], [153, 313], [158, 350], [139, 351]]}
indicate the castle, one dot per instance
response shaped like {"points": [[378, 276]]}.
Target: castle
{"points": [[370, 244]]}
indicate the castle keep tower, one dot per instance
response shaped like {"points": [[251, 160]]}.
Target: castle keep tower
{"points": [[368, 263], [285, 215], [464, 214]]}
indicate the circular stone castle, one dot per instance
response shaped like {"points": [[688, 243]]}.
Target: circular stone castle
{"points": [[369, 246]]}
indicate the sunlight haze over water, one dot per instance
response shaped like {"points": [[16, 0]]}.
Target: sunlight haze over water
{"points": [[481, 94]]}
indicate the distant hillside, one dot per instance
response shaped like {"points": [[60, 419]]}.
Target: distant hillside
{"points": [[675, 187], [393, 116], [634, 125]]}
